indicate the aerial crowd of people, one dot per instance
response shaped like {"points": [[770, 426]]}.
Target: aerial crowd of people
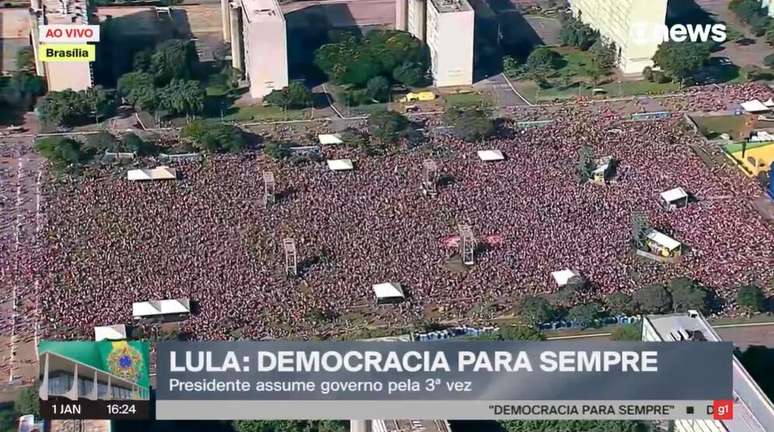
{"points": [[209, 236]]}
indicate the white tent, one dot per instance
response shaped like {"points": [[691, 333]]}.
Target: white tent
{"points": [[160, 307], [388, 292], [563, 276], [340, 164], [111, 332], [769, 103], [159, 173], [329, 139], [662, 240], [674, 195], [754, 106], [490, 155]]}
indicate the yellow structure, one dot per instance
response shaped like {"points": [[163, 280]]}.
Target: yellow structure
{"points": [[757, 159], [623, 23], [420, 96]]}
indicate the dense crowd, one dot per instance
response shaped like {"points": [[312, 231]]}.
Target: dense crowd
{"points": [[207, 236]]}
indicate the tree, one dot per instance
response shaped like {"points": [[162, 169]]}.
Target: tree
{"points": [[410, 74], [751, 298], [213, 138], [25, 59], [277, 150], [137, 88], [182, 97], [647, 73], [100, 142], [653, 299], [627, 332], [390, 53], [577, 34], [469, 125], [603, 55], [387, 126], [573, 426], [28, 402], [620, 303], [584, 314], [681, 60], [61, 152], [543, 61], [173, 59], [290, 426], [28, 86], [511, 67], [687, 294], [746, 10], [132, 143], [295, 95], [378, 88], [536, 310]]}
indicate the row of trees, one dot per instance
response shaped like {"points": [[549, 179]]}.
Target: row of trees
{"points": [[24, 85], [679, 295], [163, 81], [71, 108], [369, 65], [753, 14], [209, 137], [67, 153]]}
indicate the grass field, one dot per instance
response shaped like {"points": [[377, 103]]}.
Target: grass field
{"points": [[466, 99], [531, 91], [711, 127]]}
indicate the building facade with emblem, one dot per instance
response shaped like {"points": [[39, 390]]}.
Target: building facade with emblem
{"points": [[104, 370]]}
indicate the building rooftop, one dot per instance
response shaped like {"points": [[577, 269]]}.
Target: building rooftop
{"points": [[753, 411], [262, 10], [446, 6], [63, 11]]}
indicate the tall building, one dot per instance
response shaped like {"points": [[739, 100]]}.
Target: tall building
{"points": [[447, 27], [619, 21], [753, 411], [60, 75], [258, 43]]}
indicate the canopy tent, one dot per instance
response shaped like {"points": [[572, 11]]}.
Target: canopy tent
{"points": [[754, 106], [769, 103], [562, 277], [161, 307], [662, 240], [340, 164], [490, 155], [329, 139], [674, 198], [388, 292], [160, 173], [111, 332]]}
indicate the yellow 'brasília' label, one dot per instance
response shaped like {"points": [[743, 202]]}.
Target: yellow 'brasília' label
{"points": [[67, 52]]}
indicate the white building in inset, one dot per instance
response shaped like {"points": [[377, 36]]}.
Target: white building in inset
{"points": [[259, 44], [447, 27], [60, 75], [753, 411], [619, 22]]}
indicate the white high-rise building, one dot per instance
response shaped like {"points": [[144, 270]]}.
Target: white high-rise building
{"points": [[753, 411], [447, 27], [258, 43], [618, 22], [75, 75]]}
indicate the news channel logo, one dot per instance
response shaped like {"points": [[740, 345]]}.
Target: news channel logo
{"points": [[94, 370], [642, 33]]}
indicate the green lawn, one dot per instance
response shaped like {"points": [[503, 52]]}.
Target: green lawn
{"points": [[261, 113], [575, 63], [713, 126], [466, 99], [531, 91]]}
